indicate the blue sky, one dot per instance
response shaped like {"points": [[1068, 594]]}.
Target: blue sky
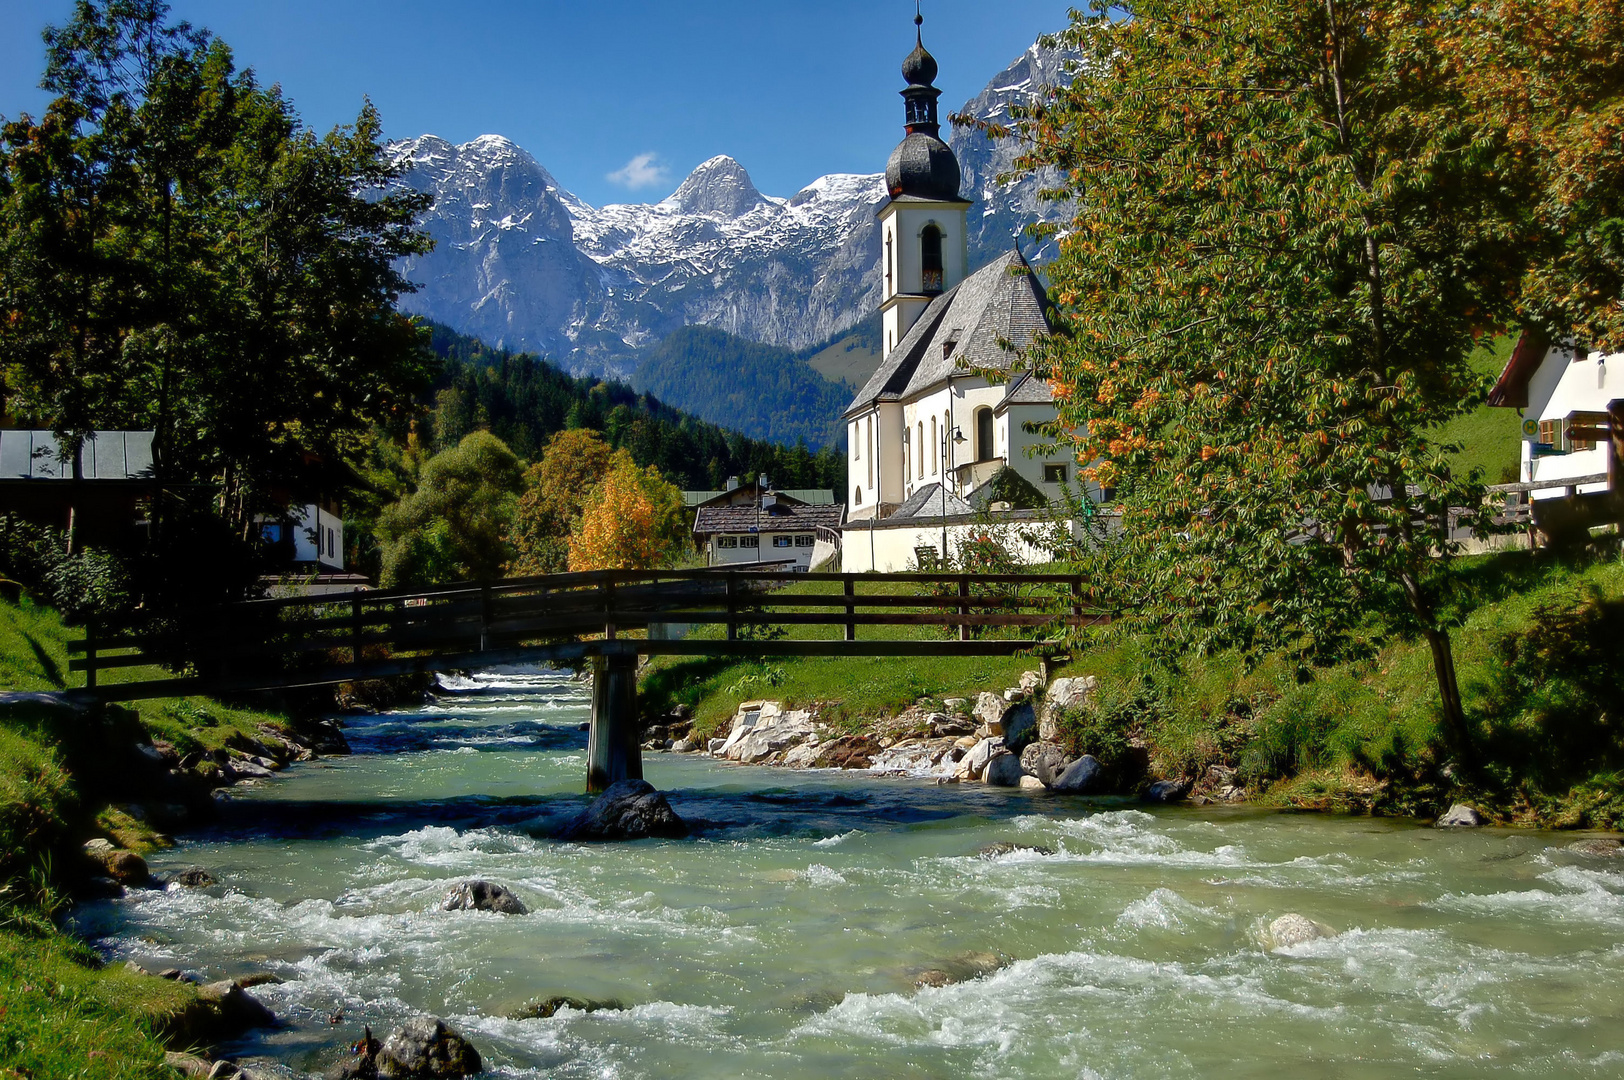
{"points": [[636, 90]]}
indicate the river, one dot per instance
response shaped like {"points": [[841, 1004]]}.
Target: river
{"points": [[786, 940]]}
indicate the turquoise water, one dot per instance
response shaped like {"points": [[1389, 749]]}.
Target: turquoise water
{"points": [[786, 940]]}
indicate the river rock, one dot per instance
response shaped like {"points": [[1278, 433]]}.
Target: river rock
{"points": [[1003, 770], [1597, 845], [423, 1049], [545, 1008], [1064, 695], [971, 965], [222, 1011], [1082, 777], [974, 763], [994, 851], [803, 756], [1460, 816], [1020, 727], [193, 877], [1294, 929], [944, 725], [1165, 791], [627, 810], [1044, 760], [768, 737], [482, 896], [124, 867], [684, 746], [245, 769], [1032, 783], [1031, 683], [847, 752], [918, 757]]}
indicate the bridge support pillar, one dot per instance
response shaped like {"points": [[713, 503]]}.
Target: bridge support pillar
{"points": [[613, 752]]}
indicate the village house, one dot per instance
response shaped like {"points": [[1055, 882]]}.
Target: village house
{"points": [[1571, 401], [945, 412], [752, 523]]}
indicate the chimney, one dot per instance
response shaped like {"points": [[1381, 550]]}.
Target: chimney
{"points": [[765, 483], [733, 483]]}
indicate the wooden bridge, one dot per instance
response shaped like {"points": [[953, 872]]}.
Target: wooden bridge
{"points": [[608, 617]]}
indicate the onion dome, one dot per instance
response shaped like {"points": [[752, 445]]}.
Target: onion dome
{"points": [[922, 166]]}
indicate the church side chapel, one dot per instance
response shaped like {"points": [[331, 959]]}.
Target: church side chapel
{"points": [[930, 430]]}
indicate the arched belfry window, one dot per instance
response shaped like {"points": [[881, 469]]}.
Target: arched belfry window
{"points": [[930, 259], [984, 449]]}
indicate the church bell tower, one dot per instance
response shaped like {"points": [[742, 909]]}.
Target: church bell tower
{"points": [[924, 238]]}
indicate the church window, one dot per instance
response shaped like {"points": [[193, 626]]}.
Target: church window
{"points": [[930, 259], [889, 264], [870, 424], [921, 457], [935, 449], [857, 496], [984, 449]]}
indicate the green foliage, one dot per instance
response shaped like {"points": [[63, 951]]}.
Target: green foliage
{"points": [[179, 253], [88, 582], [37, 799], [525, 401], [766, 390], [456, 525]]}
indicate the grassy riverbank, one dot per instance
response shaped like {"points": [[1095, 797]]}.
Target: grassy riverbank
{"points": [[61, 1013], [1536, 645]]}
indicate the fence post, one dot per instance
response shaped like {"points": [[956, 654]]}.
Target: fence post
{"points": [[484, 615], [609, 609], [964, 606], [90, 653], [1077, 598], [355, 628], [851, 608], [732, 606]]}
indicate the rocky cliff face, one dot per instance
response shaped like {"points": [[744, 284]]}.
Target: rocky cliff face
{"points": [[525, 264]]}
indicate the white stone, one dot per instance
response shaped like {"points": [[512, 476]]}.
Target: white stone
{"points": [[975, 762], [1031, 681], [1064, 695], [769, 736], [801, 757], [1032, 783], [1294, 929], [1460, 816]]}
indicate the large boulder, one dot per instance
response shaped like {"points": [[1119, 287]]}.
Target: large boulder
{"points": [[1044, 760], [1064, 695], [124, 867], [220, 1012], [847, 752], [1598, 845], [627, 810], [1165, 791], [427, 1049], [974, 763], [783, 731], [423, 1049], [990, 709], [1294, 929], [482, 896], [1082, 777], [1003, 770], [1460, 816], [1020, 727]]}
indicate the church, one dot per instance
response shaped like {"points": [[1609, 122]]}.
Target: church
{"points": [[943, 414]]}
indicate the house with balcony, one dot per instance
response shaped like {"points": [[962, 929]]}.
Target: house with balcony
{"points": [[1571, 404], [754, 524]]}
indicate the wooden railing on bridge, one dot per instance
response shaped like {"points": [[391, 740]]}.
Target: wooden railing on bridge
{"points": [[310, 641]]}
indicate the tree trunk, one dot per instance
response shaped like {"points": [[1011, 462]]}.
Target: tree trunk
{"points": [[1443, 668]]}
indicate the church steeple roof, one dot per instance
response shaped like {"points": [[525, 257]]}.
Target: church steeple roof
{"points": [[922, 166]]}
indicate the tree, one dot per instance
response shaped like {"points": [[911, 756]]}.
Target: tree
{"points": [[455, 526], [633, 520], [178, 251], [1293, 234], [556, 489]]}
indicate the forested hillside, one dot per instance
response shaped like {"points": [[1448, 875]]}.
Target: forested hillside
{"points": [[524, 400], [766, 390]]}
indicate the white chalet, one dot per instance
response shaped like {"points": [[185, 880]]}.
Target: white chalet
{"points": [[941, 414], [1572, 405]]}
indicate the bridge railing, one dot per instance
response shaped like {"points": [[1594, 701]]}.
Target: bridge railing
{"points": [[567, 617]]}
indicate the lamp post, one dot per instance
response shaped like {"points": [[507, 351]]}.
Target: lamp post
{"points": [[951, 437]]}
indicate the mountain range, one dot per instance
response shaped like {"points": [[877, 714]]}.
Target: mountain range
{"points": [[524, 264]]}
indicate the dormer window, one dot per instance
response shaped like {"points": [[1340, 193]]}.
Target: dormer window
{"points": [[930, 260]]}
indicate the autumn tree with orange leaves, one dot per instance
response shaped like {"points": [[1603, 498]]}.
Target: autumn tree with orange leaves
{"points": [[1298, 219], [632, 520]]}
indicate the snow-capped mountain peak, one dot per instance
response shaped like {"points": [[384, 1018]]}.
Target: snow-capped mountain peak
{"points": [[719, 188]]}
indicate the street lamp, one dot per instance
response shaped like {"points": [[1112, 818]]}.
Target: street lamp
{"points": [[957, 439]]}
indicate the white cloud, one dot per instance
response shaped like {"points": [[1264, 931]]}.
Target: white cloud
{"points": [[642, 171]]}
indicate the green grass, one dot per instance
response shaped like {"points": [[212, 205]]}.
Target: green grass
{"points": [[853, 689], [61, 1014], [1490, 439], [63, 1017]]}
